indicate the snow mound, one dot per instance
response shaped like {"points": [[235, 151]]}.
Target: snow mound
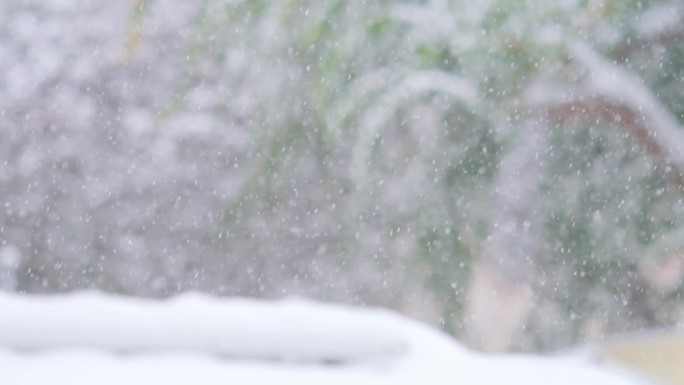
{"points": [[91, 338], [237, 328]]}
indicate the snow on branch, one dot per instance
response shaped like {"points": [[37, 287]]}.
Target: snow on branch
{"points": [[611, 93], [375, 118], [661, 24]]}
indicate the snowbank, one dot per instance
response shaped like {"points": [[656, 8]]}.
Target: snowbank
{"points": [[291, 330], [92, 338]]}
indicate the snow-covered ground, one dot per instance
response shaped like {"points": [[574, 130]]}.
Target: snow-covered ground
{"points": [[91, 338]]}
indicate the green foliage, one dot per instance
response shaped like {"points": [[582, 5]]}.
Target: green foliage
{"points": [[400, 114]]}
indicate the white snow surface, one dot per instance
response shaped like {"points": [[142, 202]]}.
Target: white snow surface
{"points": [[92, 338]]}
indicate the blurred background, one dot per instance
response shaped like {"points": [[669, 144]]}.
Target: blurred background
{"points": [[511, 172]]}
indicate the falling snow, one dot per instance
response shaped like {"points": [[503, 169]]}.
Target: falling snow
{"points": [[508, 172]]}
